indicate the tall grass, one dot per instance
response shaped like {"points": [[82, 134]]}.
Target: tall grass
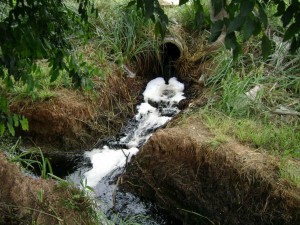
{"points": [[278, 139], [119, 36], [121, 32], [252, 120], [32, 160]]}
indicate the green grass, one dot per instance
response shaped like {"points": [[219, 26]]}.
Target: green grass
{"points": [[119, 36], [278, 139], [42, 89], [231, 114], [32, 160], [185, 15], [122, 33]]}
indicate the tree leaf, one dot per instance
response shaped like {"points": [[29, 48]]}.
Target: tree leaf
{"points": [[216, 31], [291, 31], [262, 15], [182, 2], [149, 8], [247, 7], [287, 16], [54, 73], [11, 129], [16, 120], [217, 5], [294, 45], [248, 28], [266, 46], [3, 104], [236, 23], [24, 123], [199, 16], [237, 51], [280, 8], [230, 41]]}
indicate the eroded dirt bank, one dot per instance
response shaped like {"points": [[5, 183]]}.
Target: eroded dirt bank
{"points": [[200, 184], [28, 200], [74, 120]]}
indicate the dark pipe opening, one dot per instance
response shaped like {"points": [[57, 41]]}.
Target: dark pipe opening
{"points": [[170, 53]]}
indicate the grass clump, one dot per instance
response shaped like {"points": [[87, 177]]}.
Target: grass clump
{"points": [[256, 101], [122, 33], [279, 139]]}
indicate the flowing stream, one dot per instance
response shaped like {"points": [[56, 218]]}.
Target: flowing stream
{"points": [[108, 161]]}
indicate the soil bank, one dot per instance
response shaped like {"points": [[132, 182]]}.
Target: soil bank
{"points": [[199, 183]]}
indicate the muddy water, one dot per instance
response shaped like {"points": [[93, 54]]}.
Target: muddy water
{"points": [[108, 161]]}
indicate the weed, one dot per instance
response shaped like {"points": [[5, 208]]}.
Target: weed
{"points": [[279, 139], [251, 119], [31, 159], [122, 32], [290, 171]]}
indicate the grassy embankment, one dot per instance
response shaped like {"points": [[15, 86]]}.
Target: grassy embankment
{"points": [[119, 37], [269, 119]]}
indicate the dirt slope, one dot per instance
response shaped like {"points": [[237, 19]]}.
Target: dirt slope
{"points": [[200, 183], [21, 201], [74, 120]]}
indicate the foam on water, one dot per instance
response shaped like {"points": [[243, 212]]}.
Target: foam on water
{"points": [[159, 98], [104, 161]]}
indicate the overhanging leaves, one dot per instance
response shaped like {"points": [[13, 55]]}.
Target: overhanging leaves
{"points": [[149, 8], [266, 46], [291, 31], [262, 15], [248, 27], [182, 2], [217, 5], [216, 31], [247, 7]]}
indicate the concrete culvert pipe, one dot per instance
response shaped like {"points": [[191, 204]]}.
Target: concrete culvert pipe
{"points": [[172, 49]]}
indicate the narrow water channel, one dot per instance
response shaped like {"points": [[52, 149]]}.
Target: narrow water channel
{"points": [[107, 162]]}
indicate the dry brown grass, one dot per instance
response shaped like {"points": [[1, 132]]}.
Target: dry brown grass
{"points": [[74, 119], [228, 184], [20, 202]]}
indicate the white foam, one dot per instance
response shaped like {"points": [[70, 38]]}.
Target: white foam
{"points": [[149, 118], [158, 91], [154, 89], [104, 161]]}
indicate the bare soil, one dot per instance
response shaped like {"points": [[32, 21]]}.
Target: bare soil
{"points": [[199, 183], [21, 201]]}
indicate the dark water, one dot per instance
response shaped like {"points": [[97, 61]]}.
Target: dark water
{"points": [[161, 101]]}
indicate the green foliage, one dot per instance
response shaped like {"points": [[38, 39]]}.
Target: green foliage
{"points": [[152, 10], [38, 30], [248, 18], [253, 120], [10, 121], [122, 33], [278, 139]]}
